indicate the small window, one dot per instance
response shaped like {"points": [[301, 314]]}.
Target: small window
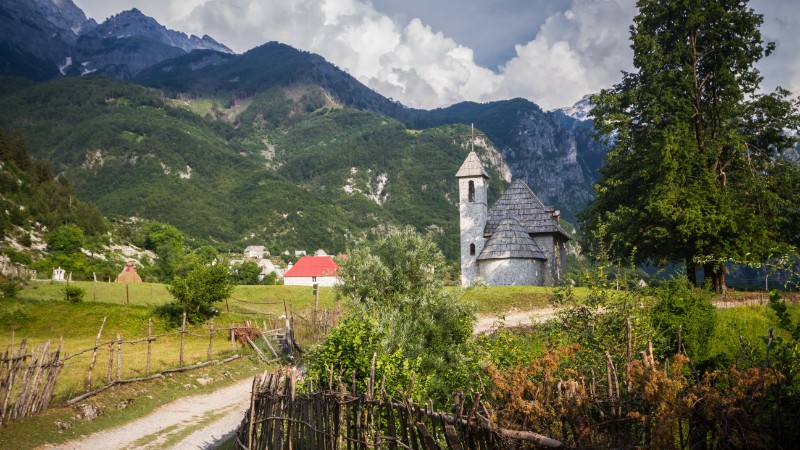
{"points": [[472, 246], [471, 191], [314, 279]]}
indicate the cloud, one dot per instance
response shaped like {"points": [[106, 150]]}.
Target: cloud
{"points": [[577, 52], [578, 49]]}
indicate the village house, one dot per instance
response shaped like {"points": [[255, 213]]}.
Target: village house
{"points": [[256, 253], [516, 242], [320, 269]]}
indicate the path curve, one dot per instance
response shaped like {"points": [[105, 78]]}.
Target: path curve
{"points": [[220, 412]]}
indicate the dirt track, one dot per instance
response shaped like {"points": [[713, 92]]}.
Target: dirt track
{"points": [[197, 422]]}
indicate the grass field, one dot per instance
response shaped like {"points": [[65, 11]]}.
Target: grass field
{"points": [[253, 299]]}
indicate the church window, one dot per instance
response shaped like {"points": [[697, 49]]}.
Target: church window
{"points": [[472, 246], [472, 191]]}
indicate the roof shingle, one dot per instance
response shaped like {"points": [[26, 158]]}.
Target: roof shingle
{"points": [[511, 241], [520, 202]]}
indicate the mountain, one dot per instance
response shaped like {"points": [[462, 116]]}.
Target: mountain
{"points": [[37, 36], [551, 151], [299, 170], [130, 41], [44, 39], [275, 146]]}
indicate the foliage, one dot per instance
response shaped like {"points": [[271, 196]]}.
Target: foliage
{"points": [[196, 293], [32, 194], [346, 355], [395, 284], [67, 239], [74, 294], [9, 287], [682, 314], [246, 272], [695, 167]]}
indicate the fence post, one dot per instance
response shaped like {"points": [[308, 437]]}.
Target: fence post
{"points": [[233, 341], [210, 340], [94, 356], [110, 361], [149, 342], [119, 357], [183, 332]]}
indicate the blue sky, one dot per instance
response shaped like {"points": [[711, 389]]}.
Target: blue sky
{"points": [[429, 53]]}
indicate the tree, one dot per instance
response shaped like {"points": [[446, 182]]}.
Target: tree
{"points": [[166, 242], [67, 239], [395, 284], [200, 289], [246, 273], [695, 158]]}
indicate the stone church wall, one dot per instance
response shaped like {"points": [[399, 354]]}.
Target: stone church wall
{"points": [[512, 272]]}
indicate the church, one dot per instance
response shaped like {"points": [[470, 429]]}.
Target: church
{"points": [[516, 242]]}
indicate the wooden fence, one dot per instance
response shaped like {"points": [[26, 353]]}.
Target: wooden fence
{"points": [[27, 380], [280, 418]]}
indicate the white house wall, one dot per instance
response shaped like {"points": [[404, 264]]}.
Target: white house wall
{"points": [[308, 281]]}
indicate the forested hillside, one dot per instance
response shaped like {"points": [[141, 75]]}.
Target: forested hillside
{"points": [[288, 166]]}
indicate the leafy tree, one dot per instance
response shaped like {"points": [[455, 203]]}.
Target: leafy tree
{"points": [[166, 242], [67, 239], [245, 273], [395, 284], [199, 290], [695, 171]]}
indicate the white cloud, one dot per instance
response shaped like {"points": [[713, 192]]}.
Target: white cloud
{"points": [[578, 50]]}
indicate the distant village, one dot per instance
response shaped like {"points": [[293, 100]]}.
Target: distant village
{"points": [[319, 268]]}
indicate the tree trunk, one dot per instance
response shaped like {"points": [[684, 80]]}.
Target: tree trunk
{"points": [[716, 273], [691, 272], [709, 276]]}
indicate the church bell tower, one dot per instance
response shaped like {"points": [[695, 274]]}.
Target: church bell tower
{"points": [[472, 206]]}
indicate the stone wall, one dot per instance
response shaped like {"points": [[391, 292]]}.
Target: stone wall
{"points": [[513, 272]]}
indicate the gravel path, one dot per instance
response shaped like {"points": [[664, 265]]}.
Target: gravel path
{"points": [[199, 422], [513, 319]]}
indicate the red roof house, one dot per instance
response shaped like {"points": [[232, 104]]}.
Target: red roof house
{"points": [[310, 270]]}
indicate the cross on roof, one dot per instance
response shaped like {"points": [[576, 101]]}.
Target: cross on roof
{"points": [[472, 137]]}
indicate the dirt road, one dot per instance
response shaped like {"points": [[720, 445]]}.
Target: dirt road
{"points": [[197, 422]]}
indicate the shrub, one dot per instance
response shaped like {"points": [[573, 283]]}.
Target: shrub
{"points": [[74, 294], [683, 312]]}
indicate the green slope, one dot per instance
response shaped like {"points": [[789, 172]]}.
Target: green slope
{"points": [[292, 169]]}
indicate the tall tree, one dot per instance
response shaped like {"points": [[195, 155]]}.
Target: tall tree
{"points": [[696, 147]]}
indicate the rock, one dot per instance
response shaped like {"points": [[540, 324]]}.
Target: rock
{"points": [[125, 403], [189, 386], [87, 412], [205, 381], [63, 425]]}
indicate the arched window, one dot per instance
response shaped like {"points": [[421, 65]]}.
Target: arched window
{"points": [[471, 191], [472, 246]]}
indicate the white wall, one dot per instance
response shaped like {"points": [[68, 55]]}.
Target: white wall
{"points": [[308, 281]]}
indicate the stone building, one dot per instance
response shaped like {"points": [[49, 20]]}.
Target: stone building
{"points": [[516, 242]]}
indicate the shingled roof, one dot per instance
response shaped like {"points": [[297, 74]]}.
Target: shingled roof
{"points": [[511, 241], [472, 167], [520, 202]]}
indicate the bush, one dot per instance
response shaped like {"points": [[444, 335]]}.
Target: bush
{"points": [[199, 290], [74, 294], [684, 310], [9, 287]]}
